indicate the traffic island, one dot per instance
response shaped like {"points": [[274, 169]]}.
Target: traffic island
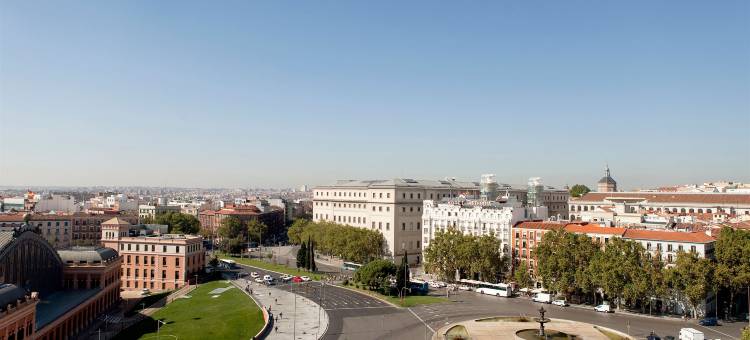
{"points": [[525, 328]]}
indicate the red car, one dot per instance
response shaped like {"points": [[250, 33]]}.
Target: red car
{"points": [[296, 279]]}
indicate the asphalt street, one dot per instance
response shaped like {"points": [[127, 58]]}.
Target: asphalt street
{"points": [[353, 315]]}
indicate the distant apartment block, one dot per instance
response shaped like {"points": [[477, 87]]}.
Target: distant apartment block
{"points": [[392, 207], [477, 217], [273, 218], [150, 211]]}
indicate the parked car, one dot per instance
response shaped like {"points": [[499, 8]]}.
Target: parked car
{"points": [[258, 280], [464, 287], [296, 279], [542, 297], [254, 274], [709, 321], [305, 278], [603, 309], [560, 302], [653, 336], [145, 291], [286, 278], [267, 277]]}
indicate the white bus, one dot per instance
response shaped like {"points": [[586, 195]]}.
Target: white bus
{"points": [[351, 266], [496, 289], [227, 264]]}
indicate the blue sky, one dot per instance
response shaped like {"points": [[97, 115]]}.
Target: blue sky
{"points": [[277, 93]]}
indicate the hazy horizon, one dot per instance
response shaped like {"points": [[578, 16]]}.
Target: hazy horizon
{"points": [[280, 94]]}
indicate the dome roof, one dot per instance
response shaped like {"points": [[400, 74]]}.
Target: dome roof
{"points": [[607, 180], [88, 255], [9, 294]]}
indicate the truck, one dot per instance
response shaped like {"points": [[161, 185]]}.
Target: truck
{"points": [[543, 297], [691, 334]]}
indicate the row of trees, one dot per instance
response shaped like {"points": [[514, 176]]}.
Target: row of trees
{"points": [[235, 234], [346, 242], [178, 223], [306, 256], [473, 256], [376, 275], [572, 264]]}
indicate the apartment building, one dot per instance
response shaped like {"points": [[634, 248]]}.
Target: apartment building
{"points": [[392, 207], [476, 217], [153, 260], [145, 210], [669, 243], [525, 236], [658, 202]]}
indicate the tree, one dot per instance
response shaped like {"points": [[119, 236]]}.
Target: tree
{"points": [[296, 229], [302, 256], [147, 219], [732, 251], [402, 274], [692, 277], [233, 233], [579, 190], [522, 276], [563, 259], [313, 267], [745, 333], [441, 256], [179, 223], [375, 274], [491, 264], [256, 229]]}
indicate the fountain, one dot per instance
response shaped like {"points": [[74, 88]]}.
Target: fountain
{"points": [[542, 320]]}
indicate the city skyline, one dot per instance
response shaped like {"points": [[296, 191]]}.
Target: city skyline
{"points": [[284, 94]]}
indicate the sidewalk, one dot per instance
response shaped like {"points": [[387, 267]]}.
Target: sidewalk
{"points": [[302, 325]]}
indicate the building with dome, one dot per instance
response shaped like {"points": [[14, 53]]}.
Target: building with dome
{"points": [[607, 183], [52, 294]]}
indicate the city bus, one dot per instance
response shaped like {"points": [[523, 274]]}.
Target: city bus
{"points": [[351, 266], [227, 264], [496, 289]]}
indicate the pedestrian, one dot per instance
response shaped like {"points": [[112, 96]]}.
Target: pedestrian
{"points": [[281, 315], [269, 293], [276, 329], [276, 300]]}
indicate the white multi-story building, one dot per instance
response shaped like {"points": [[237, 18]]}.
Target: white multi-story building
{"points": [[477, 217], [145, 210], [392, 207], [57, 203]]}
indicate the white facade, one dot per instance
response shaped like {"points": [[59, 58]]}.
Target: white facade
{"points": [[392, 207], [57, 203], [477, 218]]}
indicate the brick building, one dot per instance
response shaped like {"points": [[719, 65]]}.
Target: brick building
{"points": [[153, 260], [273, 218]]}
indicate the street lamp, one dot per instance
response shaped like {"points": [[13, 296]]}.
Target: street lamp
{"points": [[158, 324]]}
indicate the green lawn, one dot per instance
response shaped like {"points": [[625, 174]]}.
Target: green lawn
{"points": [[231, 315], [409, 301], [270, 266]]}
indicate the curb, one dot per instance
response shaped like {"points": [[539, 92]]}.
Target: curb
{"points": [[623, 312]]}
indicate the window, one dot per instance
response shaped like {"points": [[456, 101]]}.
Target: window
{"points": [[163, 249], [176, 275], [693, 249], [177, 262], [128, 260], [178, 249], [163, 261], [387, 226], [669, 247], [403, 226]]}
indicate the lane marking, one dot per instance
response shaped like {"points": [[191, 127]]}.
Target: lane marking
{"points": [[713, 330], [420, 319]]}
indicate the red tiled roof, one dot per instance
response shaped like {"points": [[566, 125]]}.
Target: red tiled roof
{"points": [[539, 225], [676, 236], [594, 229], [668, 197], [11, 218]]}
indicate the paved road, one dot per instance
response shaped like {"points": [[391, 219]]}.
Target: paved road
{"points": [[356, 316]]}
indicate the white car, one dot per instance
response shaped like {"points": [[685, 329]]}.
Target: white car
{"points": [[285, 277], [305, 278], [464, 287], [145, 291], [258, 280], [560, 302], [603, 309], [254, 274], [267, 278]]}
